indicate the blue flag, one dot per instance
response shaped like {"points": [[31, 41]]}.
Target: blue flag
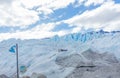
{"points": [[12, 49]]}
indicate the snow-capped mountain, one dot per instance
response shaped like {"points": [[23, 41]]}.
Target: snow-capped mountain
{"points": [[59, 57]]}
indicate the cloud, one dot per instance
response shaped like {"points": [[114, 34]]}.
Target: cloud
{"points": [[6, 1], [23, 13], [26, 12], [94, 2], [114, 26], [38, 32], [88, 3], [105, 16], [46, 6], [15, 15], [76, 29]]}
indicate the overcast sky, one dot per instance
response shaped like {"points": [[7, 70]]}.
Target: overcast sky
{"points": [[34, 19]]}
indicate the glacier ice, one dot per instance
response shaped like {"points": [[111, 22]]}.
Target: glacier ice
{"points": [[43, 55]]}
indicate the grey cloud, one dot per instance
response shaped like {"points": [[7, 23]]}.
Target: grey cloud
{"points": [[6, 1]]}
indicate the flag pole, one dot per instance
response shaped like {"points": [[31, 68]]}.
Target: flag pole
{"points": [[17, 60]]}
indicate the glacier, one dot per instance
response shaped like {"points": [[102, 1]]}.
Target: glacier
{"points": [[63, 56]]}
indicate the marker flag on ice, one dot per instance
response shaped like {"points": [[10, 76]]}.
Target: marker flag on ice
{"points": [[12, 49]]}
